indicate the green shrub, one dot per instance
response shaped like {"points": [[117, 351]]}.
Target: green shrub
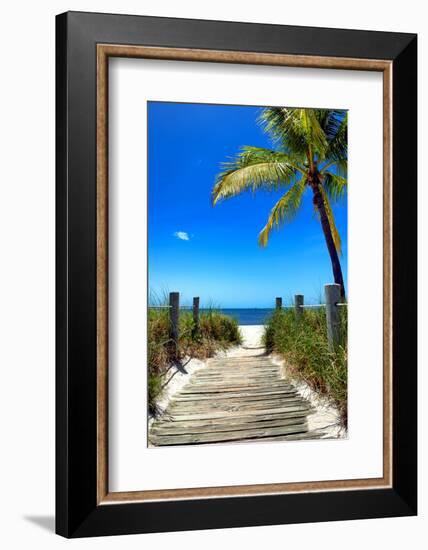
{"points": [[221, 328], [303, 344]]}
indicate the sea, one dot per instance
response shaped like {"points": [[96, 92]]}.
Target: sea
{"points": [[249, 316]]}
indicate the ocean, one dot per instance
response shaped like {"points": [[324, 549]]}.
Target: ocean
{"points": [[244, 316], [248, 316]]}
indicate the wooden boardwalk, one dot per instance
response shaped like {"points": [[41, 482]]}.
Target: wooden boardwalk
{"points": [[234, 399]]}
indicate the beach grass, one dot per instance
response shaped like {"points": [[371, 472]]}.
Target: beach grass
{"points": [[304, 345], [215, 332]]}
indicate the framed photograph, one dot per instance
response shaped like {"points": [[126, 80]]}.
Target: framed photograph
{"points": [[236, 274]]}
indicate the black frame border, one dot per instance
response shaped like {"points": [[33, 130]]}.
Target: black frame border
{"points": [[77, 512]]}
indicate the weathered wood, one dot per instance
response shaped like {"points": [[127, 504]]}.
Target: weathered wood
{"points": [[242, 376], [174, 315], [293, 437], [255, 378], [224, 366], [186, 396], [236, 374], [264, 406], [195, 315], [177, 429], [298, 303], [228, 436], [244, 360], [332, 298], [227, 421], [278, 302], [249, 414], [227, 400], [234, 387], [233, 399], [231, 379]]}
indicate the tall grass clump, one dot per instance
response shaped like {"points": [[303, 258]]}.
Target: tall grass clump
{"points": [[304, 345], [158, 352], [215, 332]]}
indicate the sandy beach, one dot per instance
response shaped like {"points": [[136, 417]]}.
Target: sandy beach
{"points": [[252, 335], [252, 341]]}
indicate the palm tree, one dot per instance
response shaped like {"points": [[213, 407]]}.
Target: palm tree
{"points": [[311, 153]]}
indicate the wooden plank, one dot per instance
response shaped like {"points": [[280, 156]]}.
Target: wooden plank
{"points": [[190, 390], [174, 428], [196, 425], [261, 358], [288, 397], [233, 399], [180, 410], [243, 385], [218, 387], [230, 414], [235, 377], [226, 436], [227, 366], [311, 436], [230, 419], [226, 382], [201, 396], [213, 403], [208, 401], [228, 363]]}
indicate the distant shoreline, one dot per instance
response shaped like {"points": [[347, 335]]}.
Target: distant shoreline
{"points": [[244, 316]]}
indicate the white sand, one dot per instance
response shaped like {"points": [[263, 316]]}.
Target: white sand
{"points": [[175, 379], [252, 342]]}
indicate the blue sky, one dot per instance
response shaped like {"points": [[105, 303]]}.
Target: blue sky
{"points": [[212, 252]]}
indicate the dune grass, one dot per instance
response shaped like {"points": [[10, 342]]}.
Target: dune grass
{"points": [[215, 332], [303, 344]]}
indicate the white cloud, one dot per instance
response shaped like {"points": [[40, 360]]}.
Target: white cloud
{"points": [[182, 235]]}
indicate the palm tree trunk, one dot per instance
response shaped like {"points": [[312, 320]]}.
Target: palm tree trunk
{"points": [[334, 257]]}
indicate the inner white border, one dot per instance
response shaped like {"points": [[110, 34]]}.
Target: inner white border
{"points": [[134, 467]]}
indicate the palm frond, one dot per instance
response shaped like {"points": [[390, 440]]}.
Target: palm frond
{"points": [[331, 121], [339, 165], [335, 186], [298, 130], [284, 210], [315, 135], [254, 168], [338, 142], [335, 233]]}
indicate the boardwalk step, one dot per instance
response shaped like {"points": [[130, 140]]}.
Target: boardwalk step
{"points": [[216, 414], [234, 399], [249, 416], [234, 406], [176, 428], [256, 396], [218, 437]]}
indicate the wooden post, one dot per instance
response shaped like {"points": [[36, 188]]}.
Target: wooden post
{"points": [[332, 298], [278, 303], [298, 303], [174, 316], [196, 315]]}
